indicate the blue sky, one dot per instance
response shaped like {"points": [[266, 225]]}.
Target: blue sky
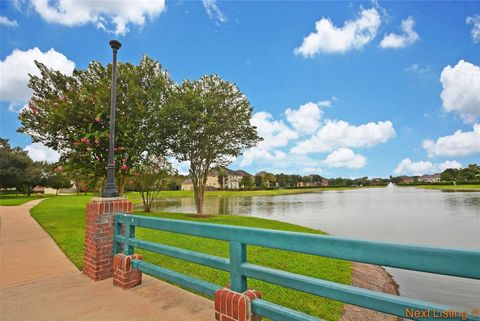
{"points": [[338, 88]]}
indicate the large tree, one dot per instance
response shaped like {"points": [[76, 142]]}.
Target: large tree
{"points": [[208, 124], [18, 170], [13, 164], [35, 175], [71, 115]]}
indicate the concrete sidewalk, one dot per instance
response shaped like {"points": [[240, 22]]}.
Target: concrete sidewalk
{"points": [[39, 283]]}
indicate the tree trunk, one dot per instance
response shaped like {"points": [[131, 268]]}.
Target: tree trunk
{"points": [[147, 207], [121, 184], [199, 194], [147, 201]]}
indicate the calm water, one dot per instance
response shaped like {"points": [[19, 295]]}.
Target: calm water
{"points": [[406, 215]]}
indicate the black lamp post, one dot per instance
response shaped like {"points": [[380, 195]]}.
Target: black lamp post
{"points": [[110, 189]]}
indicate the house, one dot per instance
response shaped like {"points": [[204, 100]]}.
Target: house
{"points": [[231, 181], [435, 178], [48, 190], [212, 184], [406, 179], [44, 190], [187, 185], [314, 181], [234, 178]]}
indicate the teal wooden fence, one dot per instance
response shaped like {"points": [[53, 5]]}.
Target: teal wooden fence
{"points": [[454, 262]]}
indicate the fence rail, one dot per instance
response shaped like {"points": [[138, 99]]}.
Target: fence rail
{"points": [[454, 262]]}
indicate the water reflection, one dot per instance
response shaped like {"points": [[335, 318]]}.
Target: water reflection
{"points": [[405, 215]]}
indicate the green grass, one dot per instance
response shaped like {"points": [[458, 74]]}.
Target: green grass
{"points": [[467, 187], [136, 198], [64, 219], [14, 200]]}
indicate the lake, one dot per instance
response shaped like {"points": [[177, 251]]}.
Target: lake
{"points": [[393, 214]]}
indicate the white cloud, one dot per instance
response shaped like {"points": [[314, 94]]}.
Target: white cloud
{"points": [[100, 13], [214, 11], [275, 152], [17, 107], [182, 167], [277, 161], [4, 21], [40, 152], [396, 41], [449, 164], [275, 133], [461, 90], [354, 34], [339, 133], [312, 170], [15, 68], [408, 167], [418, 69], [306, 118], [475, 22], [261, 155], [345, 157], [458, 144]]}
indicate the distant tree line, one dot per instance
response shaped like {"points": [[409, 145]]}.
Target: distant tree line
{"points": [[264, 180], [469, 174], [466, 175], [19, 173]]}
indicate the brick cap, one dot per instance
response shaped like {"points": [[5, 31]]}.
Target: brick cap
{"points": [[107, 199]]}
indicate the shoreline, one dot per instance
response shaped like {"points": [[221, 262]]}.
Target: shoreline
{"points": [[451, 188], [372, 277]]}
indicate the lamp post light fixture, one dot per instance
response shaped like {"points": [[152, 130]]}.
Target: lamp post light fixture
{"points": [[110, 189]]}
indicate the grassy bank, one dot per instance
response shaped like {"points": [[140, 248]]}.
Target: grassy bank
{"points": [[136, 198], [467, 187], [14, 200], [64, 219]]}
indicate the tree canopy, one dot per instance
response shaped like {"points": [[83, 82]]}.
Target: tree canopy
{"points": [[71, 115], [207, 123], [13, 164], [18, 171]]}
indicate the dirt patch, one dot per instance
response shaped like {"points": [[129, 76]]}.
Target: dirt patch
{"points": [[374, 278]]}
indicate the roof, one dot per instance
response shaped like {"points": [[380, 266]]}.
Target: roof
{"points": [[187, 181], [238, 172], [437, 175]]}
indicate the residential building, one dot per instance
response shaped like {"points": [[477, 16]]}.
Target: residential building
{"points": [[435, 178], [230, 181], [406, 179]]}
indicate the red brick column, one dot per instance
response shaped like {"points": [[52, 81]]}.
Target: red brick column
{"points": [[234, 306], [99, 230], [124, 275]]}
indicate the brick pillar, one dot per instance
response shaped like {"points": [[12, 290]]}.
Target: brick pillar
{"points": [[99, 230], [234, 306], [124, 275]]}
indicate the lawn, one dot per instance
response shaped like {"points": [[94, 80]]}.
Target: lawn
{"points": [[14, 200], [136, 198], [467, 187], [64, 219]]}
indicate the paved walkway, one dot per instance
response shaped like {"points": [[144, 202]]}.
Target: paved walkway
{"points": [[39, 283]]}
